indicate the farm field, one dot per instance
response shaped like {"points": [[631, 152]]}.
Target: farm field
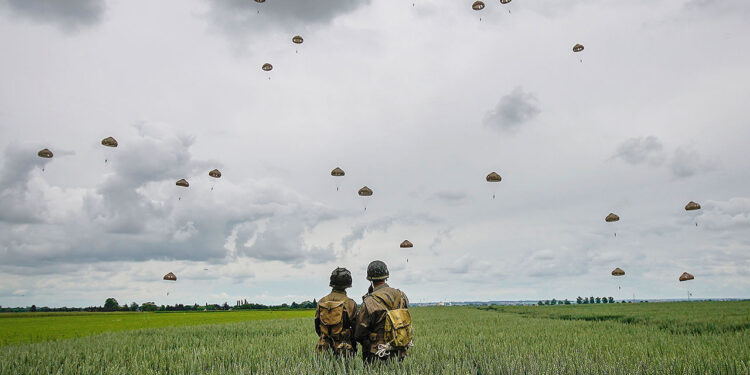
{"points": [[34, 327], [666, 338]]}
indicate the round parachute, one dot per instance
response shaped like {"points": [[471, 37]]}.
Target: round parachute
{"points": [[170, 277], [618, 272], [337, 172], [297, 39], [46, 153], [406, 244], [365, 192], [182, 182], [686, 276], [478, 5], [267, 67], [109, 142], [611, 218], [692, 206], [578, 48], [504, 1], [493, 177], [260, 1], [215, 173]]}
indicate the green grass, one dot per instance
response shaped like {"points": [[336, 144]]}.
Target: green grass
{"points": [[449, 340], [34, 327]]}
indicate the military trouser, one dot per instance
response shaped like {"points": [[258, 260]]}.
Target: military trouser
{"points": [[337, 347]]}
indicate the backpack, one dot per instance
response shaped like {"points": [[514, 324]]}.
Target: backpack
{"points": [[331, 317], [398, 330]]}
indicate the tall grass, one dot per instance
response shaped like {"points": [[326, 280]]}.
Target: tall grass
{"points": [[449, 340]]}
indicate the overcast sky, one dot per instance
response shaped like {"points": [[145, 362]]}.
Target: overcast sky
{"points": [[418, 102]]}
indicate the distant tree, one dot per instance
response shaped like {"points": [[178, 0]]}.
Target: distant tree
{"points": [[598, 300], [611, 300], [133, 306], [605, 300], [591, 300], [294, 305], [553, 302], [111, 305], [579, 300], [226, 306], [32, 308], [540, 303], [566, 302]]}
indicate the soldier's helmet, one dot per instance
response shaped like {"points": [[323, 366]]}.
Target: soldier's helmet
{"points": [[341, 278], [377, 270]]}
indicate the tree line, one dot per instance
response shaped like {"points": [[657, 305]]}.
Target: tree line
{"points": [[111, 305]]}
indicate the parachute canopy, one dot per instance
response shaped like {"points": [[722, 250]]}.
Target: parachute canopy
{"points": [[691, 206], [686, 276], [406, 244], [578, 48], [478, 5], [215, 173], [618, 272], [504, 1], [182, 182], [109, 142], [493, 177], [611, 217], [337, 172], [260, 1], [297, 39], [365, 192], [267, 67], [170, 277], [46, 153]]}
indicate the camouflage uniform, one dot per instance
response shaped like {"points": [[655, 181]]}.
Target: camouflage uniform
{"points": [[370, 328], [343, 342]]}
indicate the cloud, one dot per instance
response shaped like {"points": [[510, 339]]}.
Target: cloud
{"points": [[67, 15], [641, 150], [512, 111], [451, 196], [687, 162], [134, 213], [726, 215], [242, 18], [718, 7]]}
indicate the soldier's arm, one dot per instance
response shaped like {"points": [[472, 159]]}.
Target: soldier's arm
{"points": [[317, 321], [406, 299], [361, 329]]}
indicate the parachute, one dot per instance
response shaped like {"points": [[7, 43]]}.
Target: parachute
{"points": [[214, 174], [691, 206], [478, 5], [297, 39], [686, 276], [618, 272], [45, 153], [170, 277], [337, 172], [611, 218], [267, 67], [493, 177], [364, 192], [259, 2], [406, 244], [505, 2], [109, 142], [182, 182]]}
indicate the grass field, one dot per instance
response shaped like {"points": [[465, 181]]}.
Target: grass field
{"points": [[35, 327], [673, 338]]}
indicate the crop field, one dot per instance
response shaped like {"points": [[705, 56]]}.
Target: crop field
{"points": [[667, 338]]}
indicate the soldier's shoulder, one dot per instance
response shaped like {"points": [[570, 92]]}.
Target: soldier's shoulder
{"points": [[369, 303]]}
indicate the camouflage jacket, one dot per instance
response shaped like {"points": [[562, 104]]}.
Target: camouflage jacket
{"points": [[343, 342], [370, 328]]}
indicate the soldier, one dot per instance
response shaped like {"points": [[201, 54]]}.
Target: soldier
{"points": [[336, 315], [383, 324]]}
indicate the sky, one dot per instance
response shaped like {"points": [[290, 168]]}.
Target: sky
{"points": [[418, 100]]}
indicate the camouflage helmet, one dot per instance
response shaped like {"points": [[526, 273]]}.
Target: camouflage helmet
{"points": [[341, 278], [377, 270]]}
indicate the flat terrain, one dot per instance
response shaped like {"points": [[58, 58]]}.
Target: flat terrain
{"points": [[667, 338], [34, 327]]}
